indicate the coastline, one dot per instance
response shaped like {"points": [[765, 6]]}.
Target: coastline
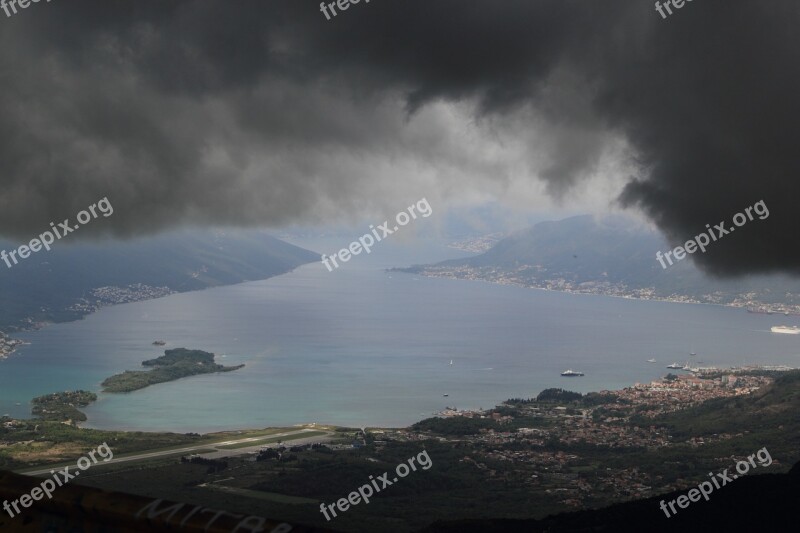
{"points": [[676, 300], [8, 345], [760, 372], [100, 415]]}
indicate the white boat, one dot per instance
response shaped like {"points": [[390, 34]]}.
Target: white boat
{"points": [[791, 330], [675, 365], [651, 360], [451, 362], [571, 373]]}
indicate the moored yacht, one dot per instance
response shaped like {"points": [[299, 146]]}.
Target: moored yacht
{"points": [[791, 330]]}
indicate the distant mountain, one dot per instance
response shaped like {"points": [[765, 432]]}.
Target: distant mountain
{"points": [[70, 281], [609, 255], [588, 248]]}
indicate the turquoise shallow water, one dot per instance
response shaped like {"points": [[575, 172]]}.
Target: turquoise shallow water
{"points": [[360, 346]]}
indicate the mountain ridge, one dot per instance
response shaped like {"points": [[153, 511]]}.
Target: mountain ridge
{"points": [[613, 255], [69, 282]]}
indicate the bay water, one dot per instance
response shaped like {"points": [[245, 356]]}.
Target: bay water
{"points": [[361, 346]]}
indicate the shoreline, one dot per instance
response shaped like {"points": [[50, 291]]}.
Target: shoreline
{"points": [[582, 293], [701, 373], [8, 345], [705, 373], [36, 326], [517, 285]]}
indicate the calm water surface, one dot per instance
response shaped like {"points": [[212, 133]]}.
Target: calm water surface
{"points": [[359, 346]]}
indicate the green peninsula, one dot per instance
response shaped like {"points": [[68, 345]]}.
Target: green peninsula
{"points": [[62, 406], [174, 364]]}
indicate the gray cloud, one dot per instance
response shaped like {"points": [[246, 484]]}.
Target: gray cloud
{"points": [[264, 113]]}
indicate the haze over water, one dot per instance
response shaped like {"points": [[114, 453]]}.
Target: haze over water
{"points": [[359, 346]]}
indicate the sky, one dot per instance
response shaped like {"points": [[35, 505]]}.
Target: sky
{"points": [[267, 114]]}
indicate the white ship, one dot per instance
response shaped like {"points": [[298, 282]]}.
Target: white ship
{"points": [[571, 373], [651, 360], [675, 365], [791, 330]]}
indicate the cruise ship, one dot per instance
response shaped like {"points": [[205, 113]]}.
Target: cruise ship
{"points": [[571, 373], [676, 365], [791, 330]]}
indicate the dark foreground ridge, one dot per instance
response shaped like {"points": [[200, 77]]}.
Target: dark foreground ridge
{"points": [[764, 502], [76, 508]]}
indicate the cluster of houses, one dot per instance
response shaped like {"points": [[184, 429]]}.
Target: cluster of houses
{"points": [[112, 295], [603, 426], [7, 345]]}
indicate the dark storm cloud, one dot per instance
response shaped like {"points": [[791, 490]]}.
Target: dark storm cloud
{"points": [[265, 113]]}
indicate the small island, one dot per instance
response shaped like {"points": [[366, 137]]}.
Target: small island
{"points": [[174, 364], [63, 406]]}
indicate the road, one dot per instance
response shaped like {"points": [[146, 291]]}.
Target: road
{"points": [[217, 454]]}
